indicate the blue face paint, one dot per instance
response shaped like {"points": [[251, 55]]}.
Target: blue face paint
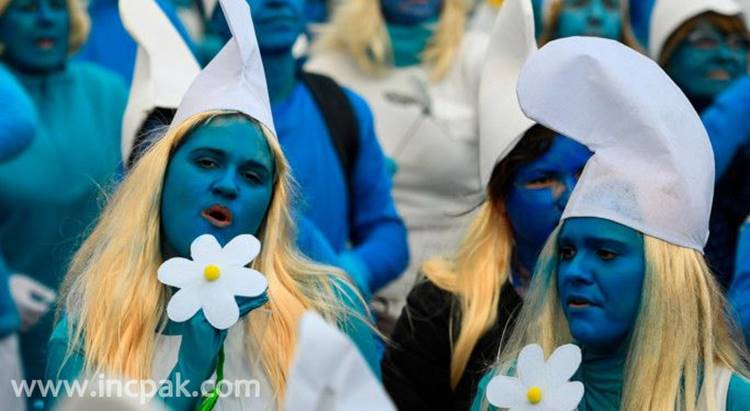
{"points": [[278, 23], [600, 280], [539, 194], [34, 34], [597, 18], [410, 12], [707, 61], [219, 182]]}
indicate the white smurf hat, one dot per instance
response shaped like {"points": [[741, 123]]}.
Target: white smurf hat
{"points": [[164, 66], [669, 15], [501, 121], [653, 166], [234, 79]]}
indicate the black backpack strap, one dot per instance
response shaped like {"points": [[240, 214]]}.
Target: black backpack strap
{"points": [[339, 116]]}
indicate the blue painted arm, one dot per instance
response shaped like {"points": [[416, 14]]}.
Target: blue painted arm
{"points": [[726, 121], [377, 234], [18, 120], [359, 326], [480, 404], [738, 396]]}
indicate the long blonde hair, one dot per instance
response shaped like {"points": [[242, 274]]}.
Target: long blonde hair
{"points": [[358, 28], [680, 302], [115, 304], [80, 24]]}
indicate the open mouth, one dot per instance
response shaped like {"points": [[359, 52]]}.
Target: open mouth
{"points": [[577, 302], [218, 216], [45, 43], [719, 74]]}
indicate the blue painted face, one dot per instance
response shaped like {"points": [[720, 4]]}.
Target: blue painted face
{"points": [[539, 194], [600, 280], [707, 61], [597, 18], [219, 182], [410, 12], [278, 23], [35, 35]]}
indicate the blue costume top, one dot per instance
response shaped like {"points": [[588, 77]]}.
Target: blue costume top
{"points": [[602, 377], [50, 194], [110, 46], [365, 219]]}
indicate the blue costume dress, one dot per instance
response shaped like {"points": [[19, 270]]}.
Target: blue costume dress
{"points": [[602, 377], [51, 192], [366, 218]]}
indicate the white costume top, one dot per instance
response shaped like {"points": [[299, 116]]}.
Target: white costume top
{"points": [[430, 130]]}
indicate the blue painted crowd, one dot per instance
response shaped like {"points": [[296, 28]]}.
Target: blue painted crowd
{"points": [[444, 181]]}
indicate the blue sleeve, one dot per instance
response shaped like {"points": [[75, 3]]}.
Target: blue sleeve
{"points": [[738, 396], [18, 121], [9, 319], [726, 121], [377, 233], [312, 243], [60, 368], [359, 326], [739, 291]]}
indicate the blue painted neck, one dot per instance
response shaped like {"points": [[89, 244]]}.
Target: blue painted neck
{"points": [[409, 41], [281, 74]]}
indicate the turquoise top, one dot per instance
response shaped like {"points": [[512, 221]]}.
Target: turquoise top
{"points": [[603, 376], [60, 368], [50, 192]]}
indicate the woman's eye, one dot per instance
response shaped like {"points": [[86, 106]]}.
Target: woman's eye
{"points": [[251, 177], [566, 253], [541, 182], [606, 255], [207, 163], [29, 7], [612, 4]]}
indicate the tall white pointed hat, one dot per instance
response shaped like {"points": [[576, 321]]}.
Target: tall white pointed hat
{"points": [[234, 79], [669, 15], [164, 66], [653, 166], [501, 121]]}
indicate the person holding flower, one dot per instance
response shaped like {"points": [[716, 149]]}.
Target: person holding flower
{"points": [[217, 178]]}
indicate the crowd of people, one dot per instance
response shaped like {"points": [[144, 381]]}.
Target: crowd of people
{"points": [[455, 186]]}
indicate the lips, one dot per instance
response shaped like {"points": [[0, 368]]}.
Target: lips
{"points": [[719, 74], [218, 216], [45, 43], [579, 302]]}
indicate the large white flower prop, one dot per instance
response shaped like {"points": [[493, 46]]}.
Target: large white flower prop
{"points": [[212, 279], [540, 385]]}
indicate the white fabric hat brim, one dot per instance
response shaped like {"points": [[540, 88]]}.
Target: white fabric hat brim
{"points": [[669, 15]]}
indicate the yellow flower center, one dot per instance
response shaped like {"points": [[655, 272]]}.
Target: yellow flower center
{"points": [[495, 3], [212, 272], [534, 395]]}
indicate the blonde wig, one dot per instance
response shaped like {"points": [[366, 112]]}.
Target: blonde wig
{"points": [[554, 8], [358, 28], [80, 24], [680, 301], [116, 305]]}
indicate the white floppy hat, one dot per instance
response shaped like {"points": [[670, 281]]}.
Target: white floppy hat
{"points": [[653, 166], [501, 122]]}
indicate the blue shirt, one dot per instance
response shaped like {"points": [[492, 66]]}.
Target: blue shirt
{"points": [[50, 193], [364, 220]]}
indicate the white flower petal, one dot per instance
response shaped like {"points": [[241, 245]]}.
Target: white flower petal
{"points": [[178, 272], [184, 304], [532, 369], [205, 250], [241, 250], [244, 282], [563, 363], [221, 309], [506, 392], [565, 397]]}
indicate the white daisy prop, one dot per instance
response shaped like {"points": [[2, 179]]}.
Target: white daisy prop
{"points": [[540, 385], [212, 279]]}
